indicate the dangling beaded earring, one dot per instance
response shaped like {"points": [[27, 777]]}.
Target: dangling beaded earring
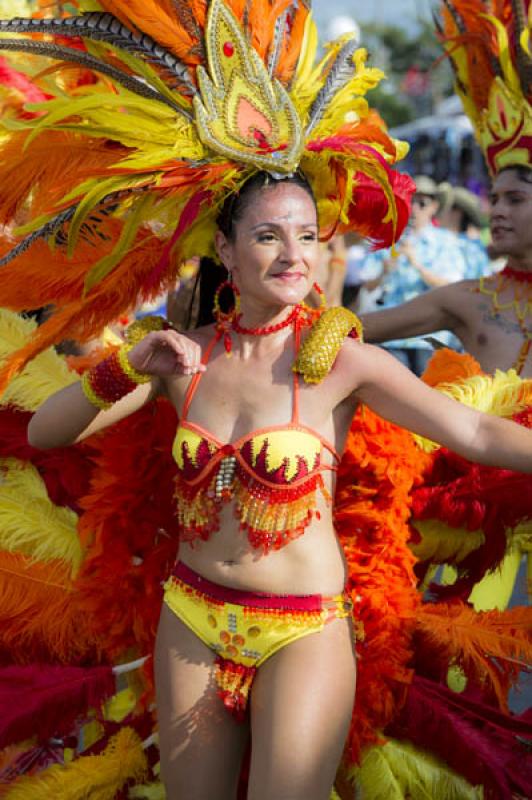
{"points": [[311, 314], [225, 319], [321, 294]]}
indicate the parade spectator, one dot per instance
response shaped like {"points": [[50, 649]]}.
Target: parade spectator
{"points": [[426, 257], [463, 216]]}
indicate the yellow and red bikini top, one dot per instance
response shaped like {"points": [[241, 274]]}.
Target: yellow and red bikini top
{"points": [[272, 474]]}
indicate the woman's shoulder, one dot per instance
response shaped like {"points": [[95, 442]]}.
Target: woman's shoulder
{"points": [[357, 361], [356, 351]]}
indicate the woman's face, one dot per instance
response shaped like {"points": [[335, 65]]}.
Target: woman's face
{"points": [[274, 252]]}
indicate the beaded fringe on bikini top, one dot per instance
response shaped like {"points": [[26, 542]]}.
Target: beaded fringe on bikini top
{"points": [[274, 475], [271, 514]]}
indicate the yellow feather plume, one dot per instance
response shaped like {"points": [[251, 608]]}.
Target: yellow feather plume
{"points": [[502, 395], [441, 544], [398, 770], [30, 523], [307, 55], [45, 375], [364, 79], [89, 777]]}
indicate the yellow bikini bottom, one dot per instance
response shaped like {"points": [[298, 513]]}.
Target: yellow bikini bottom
{"points": [[245, 628]]}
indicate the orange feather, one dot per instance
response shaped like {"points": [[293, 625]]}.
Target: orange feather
{"points": [[292, 47], [158, 19], [448, 366], [48, 168], [80, 318], [39, 618], [479, 42], [261, 23], [379, 467], [489, 645]]}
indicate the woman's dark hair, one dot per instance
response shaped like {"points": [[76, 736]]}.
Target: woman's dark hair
{"points": [[211, 274]]}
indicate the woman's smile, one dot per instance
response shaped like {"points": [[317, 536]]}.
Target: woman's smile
{"points": [[289, 276]]}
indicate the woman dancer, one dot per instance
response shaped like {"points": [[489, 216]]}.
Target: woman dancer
{"points": [[254, 607]]}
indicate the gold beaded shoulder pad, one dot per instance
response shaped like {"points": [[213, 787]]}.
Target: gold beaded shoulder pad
{"points": [[318, 352]]}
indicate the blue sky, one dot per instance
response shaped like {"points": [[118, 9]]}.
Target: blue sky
{"points": [[400, 12]]}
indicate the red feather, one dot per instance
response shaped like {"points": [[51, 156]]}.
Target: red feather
{"points": [[480, 743], [56, 696], [472, 496], [129, 526], [370, 205], [64, 470]]}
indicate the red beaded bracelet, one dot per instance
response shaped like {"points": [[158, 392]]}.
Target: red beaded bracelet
{"points": [[111, 379], [114, 377]]}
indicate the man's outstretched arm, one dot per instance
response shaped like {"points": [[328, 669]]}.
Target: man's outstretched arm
{"points": [[425, 314]]}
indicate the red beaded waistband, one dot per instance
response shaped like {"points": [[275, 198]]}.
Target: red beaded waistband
{"points": [[305, 602]]}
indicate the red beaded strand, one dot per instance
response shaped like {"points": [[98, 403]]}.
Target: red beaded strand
{"points": [[238, 328], [522, 276]]}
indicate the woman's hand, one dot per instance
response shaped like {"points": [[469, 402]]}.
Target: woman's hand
{"points": [[165, 353]]}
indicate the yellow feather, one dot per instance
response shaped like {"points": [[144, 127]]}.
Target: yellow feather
{"points": [[100, 109], [398, 770], [509, 72], [30, 523], [138, 67], [440, 543], [97, 777], [364, 79], [93, 192], [307, 54], [45, 375], [150, 791], [502, 395]]}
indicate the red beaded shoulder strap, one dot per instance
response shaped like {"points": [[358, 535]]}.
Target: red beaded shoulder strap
{"points": [[193, 385]]}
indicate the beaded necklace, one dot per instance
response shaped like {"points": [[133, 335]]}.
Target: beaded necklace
{"points": [[268, 329], [521, 304], [301, 312]]}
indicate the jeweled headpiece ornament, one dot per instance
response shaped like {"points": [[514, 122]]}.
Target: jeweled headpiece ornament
{"points": [[489, 44], [155, 113]]}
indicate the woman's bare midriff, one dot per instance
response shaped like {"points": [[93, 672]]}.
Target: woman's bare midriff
{"points": [[311, 564]]}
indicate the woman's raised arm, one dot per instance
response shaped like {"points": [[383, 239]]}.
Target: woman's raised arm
{"points": [[396, 394]]}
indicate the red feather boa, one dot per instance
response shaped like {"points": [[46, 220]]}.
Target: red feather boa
{"points": [[64, 470], [129, 526], [380, 465]]}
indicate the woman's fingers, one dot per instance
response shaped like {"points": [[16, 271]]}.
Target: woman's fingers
{"points": [[188, 353]]}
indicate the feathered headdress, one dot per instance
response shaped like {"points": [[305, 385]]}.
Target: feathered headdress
{"points": [[489, 44], [123, 175]]}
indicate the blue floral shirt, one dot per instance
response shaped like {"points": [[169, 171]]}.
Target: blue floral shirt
{"points": [[476, 257], [439, 251]]}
